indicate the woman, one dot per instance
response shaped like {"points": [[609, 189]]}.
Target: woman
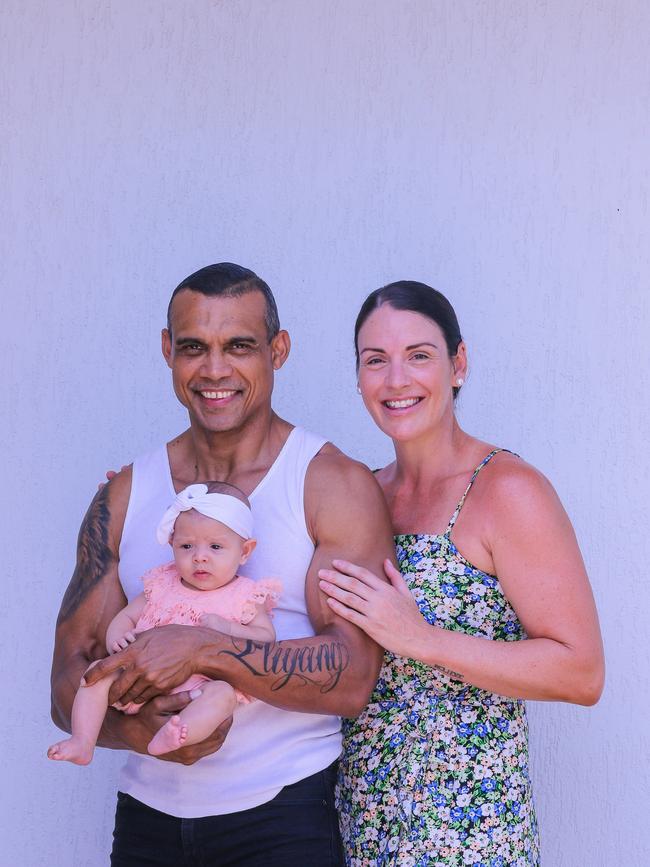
{"points": [[435, 771]]}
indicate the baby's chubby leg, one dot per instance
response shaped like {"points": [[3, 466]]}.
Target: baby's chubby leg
{"points": [[88, 712], [198, 720]]}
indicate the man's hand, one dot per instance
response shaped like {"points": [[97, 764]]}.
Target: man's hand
{"points": [[155, 713], [157, 661]]}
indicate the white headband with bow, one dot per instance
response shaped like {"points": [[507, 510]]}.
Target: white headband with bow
{"points": [[220, 507]]}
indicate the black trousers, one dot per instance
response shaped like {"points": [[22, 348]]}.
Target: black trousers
{"points": [[298, 828]]}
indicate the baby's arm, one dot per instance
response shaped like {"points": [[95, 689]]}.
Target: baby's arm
{"points": [[260, 628], [120, 630]]}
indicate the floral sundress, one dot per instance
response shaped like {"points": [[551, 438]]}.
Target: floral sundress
{"points": [[435, 772]]}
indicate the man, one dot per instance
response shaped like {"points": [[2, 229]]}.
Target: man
{"points": [[266, 796]]}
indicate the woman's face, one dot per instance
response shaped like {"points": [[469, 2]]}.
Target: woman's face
{"points": [[405, 373]]}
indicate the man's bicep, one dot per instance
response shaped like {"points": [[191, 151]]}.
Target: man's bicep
{"points": [[360, 657], [351, 523], [94, 594], [346, 509], [95, 556]]}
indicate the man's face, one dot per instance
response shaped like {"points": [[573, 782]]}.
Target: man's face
{"points": [[221, 360]]}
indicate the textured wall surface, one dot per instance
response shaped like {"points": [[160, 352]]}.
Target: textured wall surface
{"points": [[498, 150]]}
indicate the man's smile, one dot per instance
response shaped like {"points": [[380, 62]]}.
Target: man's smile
{"points": [[218, 397]]}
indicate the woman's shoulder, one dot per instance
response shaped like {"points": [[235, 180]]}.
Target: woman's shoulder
{"points": [[512, 486], [510, 473]]}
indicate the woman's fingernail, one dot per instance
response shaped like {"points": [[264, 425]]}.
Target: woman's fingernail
{"points": [[195, 693]]}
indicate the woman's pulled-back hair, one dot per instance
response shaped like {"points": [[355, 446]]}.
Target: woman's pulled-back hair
{"points": [[416, 298]]}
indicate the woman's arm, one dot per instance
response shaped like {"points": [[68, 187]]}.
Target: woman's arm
{"points": [[540, 569]]}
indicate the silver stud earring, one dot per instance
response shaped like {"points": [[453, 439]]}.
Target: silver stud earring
{"points": [[358, 389], [460, 381]]}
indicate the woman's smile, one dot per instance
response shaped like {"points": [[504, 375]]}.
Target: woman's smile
{"points": [[399, 405]]}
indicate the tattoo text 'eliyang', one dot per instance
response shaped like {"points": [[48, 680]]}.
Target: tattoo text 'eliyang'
{"points": [[321, 664]]}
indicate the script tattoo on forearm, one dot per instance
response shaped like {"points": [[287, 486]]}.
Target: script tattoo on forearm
{"points": [[320, 664], [93, 554]]}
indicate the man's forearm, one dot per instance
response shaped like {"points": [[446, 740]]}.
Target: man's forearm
{"points": [[327, 673]]}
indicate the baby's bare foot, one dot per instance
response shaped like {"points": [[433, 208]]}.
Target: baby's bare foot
{"points": [[170, 737], [71, 750]]}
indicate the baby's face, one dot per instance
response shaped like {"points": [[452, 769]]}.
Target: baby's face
{"points": [[206, 552]]}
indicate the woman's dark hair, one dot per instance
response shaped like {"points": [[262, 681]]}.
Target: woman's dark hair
{"points": [[417, 298]]}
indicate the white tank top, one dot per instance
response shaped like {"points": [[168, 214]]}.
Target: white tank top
{"points": [[266, 748]]}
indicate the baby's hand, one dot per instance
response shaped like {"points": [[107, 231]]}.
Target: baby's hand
{"points": [[215, 621], [122, 643]]}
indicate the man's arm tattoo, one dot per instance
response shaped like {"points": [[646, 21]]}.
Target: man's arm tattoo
{"points": [[321, 664], [93, 555]]}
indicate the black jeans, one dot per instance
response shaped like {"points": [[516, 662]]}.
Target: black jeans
{"points": [[298, 828]]}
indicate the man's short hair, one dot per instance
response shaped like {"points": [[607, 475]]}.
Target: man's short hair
{"points": [[227, 280]]}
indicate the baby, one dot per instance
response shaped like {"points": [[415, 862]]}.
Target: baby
{"points": [[210, 530]]}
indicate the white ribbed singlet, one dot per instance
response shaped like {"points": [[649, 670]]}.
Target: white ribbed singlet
{"points": [[266, 748]]}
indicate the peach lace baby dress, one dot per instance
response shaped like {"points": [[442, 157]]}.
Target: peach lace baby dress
{"points": [[170, 601]]}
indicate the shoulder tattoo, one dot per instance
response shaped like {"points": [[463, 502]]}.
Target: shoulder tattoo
{"points": [[93, 554]]}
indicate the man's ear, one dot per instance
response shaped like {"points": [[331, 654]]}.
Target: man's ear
{"points": [[280, 348], [166, 346], [247, 549]]}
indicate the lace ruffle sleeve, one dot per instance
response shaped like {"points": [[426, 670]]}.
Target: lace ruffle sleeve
{"points": [[157, 579], [265, 592]]}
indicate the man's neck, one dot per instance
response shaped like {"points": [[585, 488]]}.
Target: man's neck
{"points": [[241, 457]]}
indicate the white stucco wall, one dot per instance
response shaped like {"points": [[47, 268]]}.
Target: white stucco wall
{"points": [[498, 150]]}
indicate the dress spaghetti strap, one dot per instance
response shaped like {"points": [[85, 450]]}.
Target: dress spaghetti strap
{"points": [[486, 459]]}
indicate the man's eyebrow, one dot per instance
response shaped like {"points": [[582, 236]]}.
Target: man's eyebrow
{"points": [[252, 341], [185, 341]]}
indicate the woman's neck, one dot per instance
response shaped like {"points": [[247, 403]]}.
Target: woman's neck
{"points": [[432, 456]]}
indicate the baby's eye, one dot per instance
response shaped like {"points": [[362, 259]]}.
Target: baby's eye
{"points": [[215, 547], [186, 546]]}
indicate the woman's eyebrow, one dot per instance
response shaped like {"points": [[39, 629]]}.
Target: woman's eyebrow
{"points": [[412, 346], [422, 343]]}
